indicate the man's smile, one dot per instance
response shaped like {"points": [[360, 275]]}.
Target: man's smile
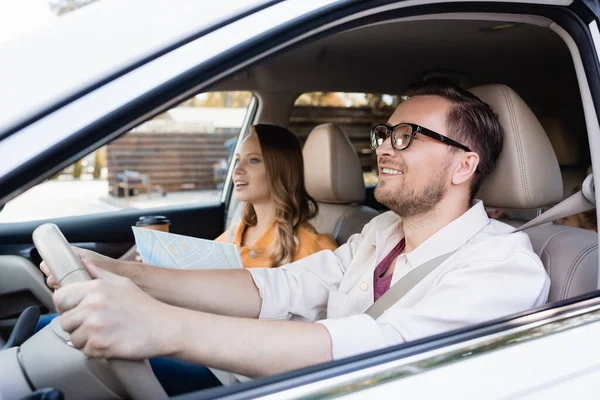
{"points": [[390, 171]]}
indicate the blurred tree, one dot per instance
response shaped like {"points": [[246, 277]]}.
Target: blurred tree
{"points": [[375, 100], [100, 162], [321, 99], [78, 169], [341, 99], [221, 99]]}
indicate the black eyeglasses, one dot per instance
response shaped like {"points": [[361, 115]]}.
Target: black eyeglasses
{"points": [[403, 134]]}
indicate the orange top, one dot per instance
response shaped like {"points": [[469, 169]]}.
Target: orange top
{"points": [[258, 255]]}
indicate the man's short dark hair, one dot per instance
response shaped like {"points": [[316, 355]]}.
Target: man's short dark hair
{"points": [[470, 121]]}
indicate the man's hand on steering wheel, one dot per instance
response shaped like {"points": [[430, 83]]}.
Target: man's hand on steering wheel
{"points": [[111, 317]]}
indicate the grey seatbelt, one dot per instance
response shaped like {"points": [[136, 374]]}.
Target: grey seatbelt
{"points": [[404, 285], [579, 202]]}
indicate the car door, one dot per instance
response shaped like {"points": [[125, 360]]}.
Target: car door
{"points": [[346, 376]]}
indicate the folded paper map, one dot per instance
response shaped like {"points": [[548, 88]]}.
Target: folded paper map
{"points": [[169, 250]]}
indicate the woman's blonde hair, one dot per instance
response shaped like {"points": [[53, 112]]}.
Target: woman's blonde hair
{"points": [[284, 164]]}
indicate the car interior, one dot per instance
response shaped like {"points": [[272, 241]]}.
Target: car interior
{"points": [[517, 64], [546, 152]]}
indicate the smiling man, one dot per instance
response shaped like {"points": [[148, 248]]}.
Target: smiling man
{"points": [[433, 154]]}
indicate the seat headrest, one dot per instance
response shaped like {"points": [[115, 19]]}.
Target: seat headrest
{"points": [[332, 170], [566, 146], [527, 175]]}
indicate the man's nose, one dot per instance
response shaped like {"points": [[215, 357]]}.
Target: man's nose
{"points": [[386, 148]]}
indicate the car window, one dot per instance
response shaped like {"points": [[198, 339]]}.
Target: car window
{"points": [[179, 157], [354, 113]]}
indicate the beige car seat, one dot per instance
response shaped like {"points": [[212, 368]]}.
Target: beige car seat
{"points": [[334, 179], [528, 176], [568, 153]]}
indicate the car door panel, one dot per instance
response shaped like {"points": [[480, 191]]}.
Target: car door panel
{"points": [[205, 221], [22, 284]]}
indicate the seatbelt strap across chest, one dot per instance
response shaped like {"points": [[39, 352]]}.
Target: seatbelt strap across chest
{"points": [[404, 285], [579, 202]]}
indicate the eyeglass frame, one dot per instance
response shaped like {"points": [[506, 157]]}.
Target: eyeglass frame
{"points": [[415, 129]]}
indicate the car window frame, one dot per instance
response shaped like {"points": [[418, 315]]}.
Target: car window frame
{"points": [[57, 140]]}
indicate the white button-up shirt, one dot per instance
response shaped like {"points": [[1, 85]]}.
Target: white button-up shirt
{"points": [[492, 274]]}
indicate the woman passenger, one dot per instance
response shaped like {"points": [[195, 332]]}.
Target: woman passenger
{"points": [[269, 177]]}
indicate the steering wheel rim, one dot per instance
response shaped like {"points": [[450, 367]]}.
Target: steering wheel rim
{"points": [[136, 377]]}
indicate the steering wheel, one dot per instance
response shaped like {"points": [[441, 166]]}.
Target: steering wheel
{"points": [[49, 358]]}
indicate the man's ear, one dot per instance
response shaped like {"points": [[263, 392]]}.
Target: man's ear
{"points": [[466, 168]]}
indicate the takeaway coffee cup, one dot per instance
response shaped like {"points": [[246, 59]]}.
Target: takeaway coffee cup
{"points": [[156, 222]]}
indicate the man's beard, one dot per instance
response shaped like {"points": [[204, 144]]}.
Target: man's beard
{"points": [[410, 202]]}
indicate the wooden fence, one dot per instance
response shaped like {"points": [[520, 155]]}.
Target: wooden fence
{"points": [[354, 122], [185, 161], [175, 161]]}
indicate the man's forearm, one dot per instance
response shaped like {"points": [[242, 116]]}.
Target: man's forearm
{"points": [[224, 292], [219, 291], [249, 347]]}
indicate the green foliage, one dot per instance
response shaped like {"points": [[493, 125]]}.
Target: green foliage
{"points": [[99, 162]]}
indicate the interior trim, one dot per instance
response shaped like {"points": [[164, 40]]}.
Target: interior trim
{"points": [[24, 276], [474, 16]]}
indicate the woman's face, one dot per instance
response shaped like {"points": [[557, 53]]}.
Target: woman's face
{"points": [[250, 173]]}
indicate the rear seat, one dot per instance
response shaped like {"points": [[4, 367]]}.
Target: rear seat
{"points": [[568, 152]]}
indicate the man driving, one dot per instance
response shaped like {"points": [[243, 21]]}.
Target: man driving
{"points": [[433, 154]]}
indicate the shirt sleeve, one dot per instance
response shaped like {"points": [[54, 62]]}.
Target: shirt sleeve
{"points": [[478, 292], [302, 287]]}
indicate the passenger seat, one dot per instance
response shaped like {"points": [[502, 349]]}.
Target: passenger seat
{"points": [[333, 177], [528, 177], [568, 153]]}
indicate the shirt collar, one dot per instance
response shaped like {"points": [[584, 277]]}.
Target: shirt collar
{"points": [[451, 236], [447, 239], [393, 232]]}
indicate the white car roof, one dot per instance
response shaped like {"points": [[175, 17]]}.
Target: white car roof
{"points": [[80, 49]]}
